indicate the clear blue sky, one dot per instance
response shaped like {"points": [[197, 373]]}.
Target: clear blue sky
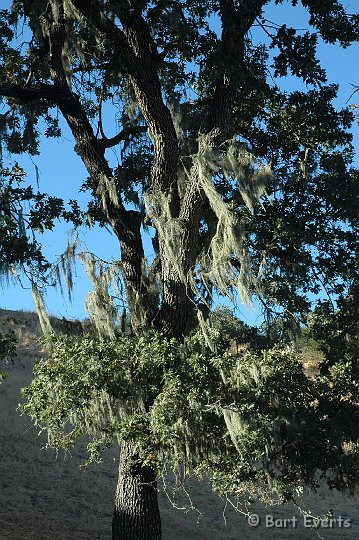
{"points": [[62, 172]]}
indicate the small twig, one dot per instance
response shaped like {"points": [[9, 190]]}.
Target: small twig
{"points": [[264, 28]]}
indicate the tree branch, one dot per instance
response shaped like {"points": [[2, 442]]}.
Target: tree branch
{"points": [[27, 94], [235, 24], [236, 21], [126, 224], [138, 55], [124, 134], [93, 11]]}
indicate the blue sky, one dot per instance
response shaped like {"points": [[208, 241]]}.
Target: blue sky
{"points": [[62, 172]]}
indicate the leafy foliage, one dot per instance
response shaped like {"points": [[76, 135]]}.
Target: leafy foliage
{"points": [[336, 330], [7, 350], [250, 419], [17, 246], [24, 215], [243, 184]]}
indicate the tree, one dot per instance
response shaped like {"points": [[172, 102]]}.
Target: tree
{"points": [[7, 350], [335, 328], [238, 190], [23, 213]]}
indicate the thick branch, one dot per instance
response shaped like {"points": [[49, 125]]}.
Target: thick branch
{"points": [[236, 22], [87, 145], [125, 223], [138, 56], [27, 94], [123, 135]]}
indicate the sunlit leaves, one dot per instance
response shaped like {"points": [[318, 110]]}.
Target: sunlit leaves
{"points": [[246, 415]]}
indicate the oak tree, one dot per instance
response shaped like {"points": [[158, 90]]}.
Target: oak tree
{"points": [[244, 185]]}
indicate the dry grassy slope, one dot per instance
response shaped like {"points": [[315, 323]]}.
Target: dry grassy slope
{"points": [[47, 497]]}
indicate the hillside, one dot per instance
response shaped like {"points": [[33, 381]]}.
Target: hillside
{"points": [[49, 497]]}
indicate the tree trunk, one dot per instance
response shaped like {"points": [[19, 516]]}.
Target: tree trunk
{"points": [[136, 514]]}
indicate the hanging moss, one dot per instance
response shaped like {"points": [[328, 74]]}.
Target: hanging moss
{"points": [[44, 319], [62, 270], [214, 267], [99, 303], [107, 192], [229, 241]]}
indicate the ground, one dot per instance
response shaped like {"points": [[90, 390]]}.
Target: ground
{"points": [[45, 496]]}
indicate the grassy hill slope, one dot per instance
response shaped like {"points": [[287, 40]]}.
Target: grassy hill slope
{"points": [[45, 496]]}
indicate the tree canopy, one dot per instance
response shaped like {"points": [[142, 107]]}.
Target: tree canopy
{"points": [[243, 183], [243, 186]]}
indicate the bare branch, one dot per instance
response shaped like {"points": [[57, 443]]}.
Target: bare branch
{"points": [[27, 94], [122, 136]]}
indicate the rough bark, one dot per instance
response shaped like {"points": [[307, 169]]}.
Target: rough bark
{"points": [[177, 313], [176, 316], [136, 515], [126, 224], [137, 52]]}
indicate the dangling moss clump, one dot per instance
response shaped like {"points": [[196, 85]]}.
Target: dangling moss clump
{"points": [[215, 267], [44, 319], [99, 303]]}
